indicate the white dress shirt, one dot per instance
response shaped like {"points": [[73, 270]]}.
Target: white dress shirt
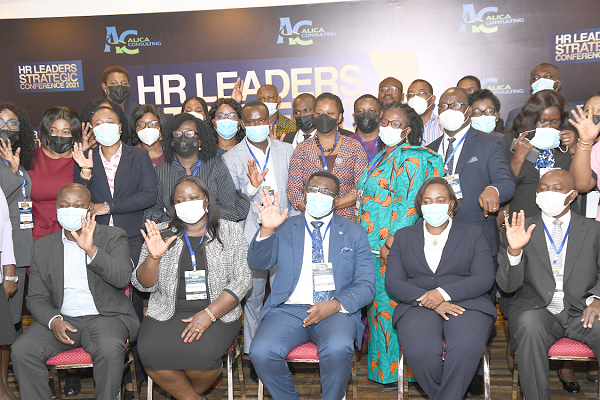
{"points": [[444, 145], [434, 247], [299, 138]]}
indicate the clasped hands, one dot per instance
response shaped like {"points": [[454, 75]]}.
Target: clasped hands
{"points": [[434, 300]]}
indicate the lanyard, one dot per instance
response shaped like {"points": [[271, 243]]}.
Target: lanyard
{"points": [[195, 171], [557, 251], [369, 156], [255, 159], [375, 165], [453, 151], [22, 177], [319, 245], [189, 245], [276, 119], [323, 158]]}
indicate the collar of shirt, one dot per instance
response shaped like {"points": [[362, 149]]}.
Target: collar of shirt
{"points": [[433, 253], [258, 153], [64, 238], [299, 138], [458, 138], [325, 220], [442, 236], [565, 219], [115, 158], [177, 165], [434, 119]]}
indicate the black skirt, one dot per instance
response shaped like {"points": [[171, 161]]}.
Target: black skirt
{"points": [[7, 328]]}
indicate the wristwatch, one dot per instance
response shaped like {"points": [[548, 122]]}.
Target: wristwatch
{"points": [[14, 279]]}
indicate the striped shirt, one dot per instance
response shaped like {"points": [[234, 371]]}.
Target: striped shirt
{"points": [[233, 204], [432, 129]]}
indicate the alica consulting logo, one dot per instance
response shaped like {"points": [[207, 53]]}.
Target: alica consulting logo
{"points": [[301, 33], [499, 88], [128, 42], [486, 20]]}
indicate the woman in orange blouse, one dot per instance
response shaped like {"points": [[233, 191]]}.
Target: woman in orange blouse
{"points": [[328, 151]]}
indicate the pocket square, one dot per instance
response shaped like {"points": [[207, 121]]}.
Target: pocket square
{"points": [[473, 159], [345, 250]]}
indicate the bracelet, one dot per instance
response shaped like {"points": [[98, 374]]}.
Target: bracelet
{"points": [[84, 167], [579, 146], [157, 257], [87, 178], [210, 314], [386, 246], [106, 207], [582, 142]]}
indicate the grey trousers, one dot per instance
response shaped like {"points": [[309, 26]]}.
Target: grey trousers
{"points": [[535, 332], [254, 303], [103, 337]]}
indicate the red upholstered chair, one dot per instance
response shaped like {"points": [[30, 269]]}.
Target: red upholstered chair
{"points": [[403, 372], [307, 353], [564, 349]]}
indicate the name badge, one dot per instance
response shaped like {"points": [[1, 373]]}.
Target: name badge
{"points": [[558, 278], [358, 200], [269, 189], [544, 171], [195, 285], [323, 277], [25, 215], [454, 181]]}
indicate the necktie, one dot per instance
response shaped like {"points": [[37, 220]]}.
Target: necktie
{"points": [[556, 304], [450, 165], [317, 257], [545, 159], [306, 136]]}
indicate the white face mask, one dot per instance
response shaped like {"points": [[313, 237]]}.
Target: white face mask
{"points": [[452, 120], [552, 203], [190, 212], [390, 136], [149, 136], [418, 104], [197, 115]]}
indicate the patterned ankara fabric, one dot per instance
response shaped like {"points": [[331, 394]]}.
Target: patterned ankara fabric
{"points": [[285, 125]]}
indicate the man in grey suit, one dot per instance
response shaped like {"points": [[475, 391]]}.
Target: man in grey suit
{"points": [[255, 164], [552, 264], [76, 297]]}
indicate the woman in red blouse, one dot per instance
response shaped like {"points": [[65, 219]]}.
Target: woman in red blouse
{"points": [[328, 151]]}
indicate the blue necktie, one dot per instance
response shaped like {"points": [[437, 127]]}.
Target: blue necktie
{"points": [[545, 159], [317, 257]]}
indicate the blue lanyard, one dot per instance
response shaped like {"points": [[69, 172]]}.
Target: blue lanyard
{"points": [[453, 151], [369, 156], [557, 251], [376, 163], [22, 177], [276, 119], [195, 171], [320, 246], [337, 133], [255, 159], [189, 245]]}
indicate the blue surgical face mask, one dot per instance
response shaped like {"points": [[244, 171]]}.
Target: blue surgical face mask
{"points": [[107, 134], [227, 128], [542, 84], [435, 214], [485, 123], [546, 138], [272, 108], [70, 218], [318, 204], [258, 133]]}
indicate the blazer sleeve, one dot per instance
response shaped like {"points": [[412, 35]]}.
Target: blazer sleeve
{"points": [[157, 212], [11, 182], [39, 292], [396, 277], [134, 279], [113, 263], [8, 251], [233, 204], [499, 172], [241, 281], [144, 193], [510, 277], [263, 254], [237, 171]]}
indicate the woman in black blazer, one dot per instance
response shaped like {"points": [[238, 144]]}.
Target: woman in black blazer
{"points": [[440, 270]]}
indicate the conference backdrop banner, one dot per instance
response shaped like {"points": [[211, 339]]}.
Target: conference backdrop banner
{"points": [[344, 48]]}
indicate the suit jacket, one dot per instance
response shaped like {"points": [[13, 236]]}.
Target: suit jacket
{"points": [[136, 188], [236, 160], [349, 252], [108, 273], [532, 278], [465, 272], [482, 163]]}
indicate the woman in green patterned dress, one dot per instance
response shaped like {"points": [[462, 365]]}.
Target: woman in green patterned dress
{"points": [[387, 192]]}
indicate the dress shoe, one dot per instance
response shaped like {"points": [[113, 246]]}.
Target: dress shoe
{"points": [[476, 386], [390, 387], [569, 387], [246, 363], [253, 374], [592, 378]]}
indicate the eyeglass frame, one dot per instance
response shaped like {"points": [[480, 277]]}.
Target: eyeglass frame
{"points": [[325, 191], [474, 110], [384, 89], [449, 106], [146, 125], [183, 133], [221, 116], [410, 95], [381, 123], [4, 123]]}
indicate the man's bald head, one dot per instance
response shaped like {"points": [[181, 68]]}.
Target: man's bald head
{"points": [[455, 93], [73, 192], [305, 98], [391, 92], [557, 179], [267, 90]]}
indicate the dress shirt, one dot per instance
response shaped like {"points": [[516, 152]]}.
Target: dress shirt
{"points": [[432, 129], [445, 142], [110, 168], [433, 253], [260, 161], [299, 138]]}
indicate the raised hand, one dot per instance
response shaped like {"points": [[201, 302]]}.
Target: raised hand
{"points": [[85, 240], [237, 93], [588, 131], [273, 132], [567, 138], [6, 153], [256, 178], [269, 213], [522, 145], [80, 158], [89, 140], [516, 234], [154, 241]]}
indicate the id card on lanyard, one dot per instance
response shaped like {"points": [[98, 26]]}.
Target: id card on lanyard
{"points": [[195, 281], [454, 179], [361, 186], [322, 272], [25, 207]]}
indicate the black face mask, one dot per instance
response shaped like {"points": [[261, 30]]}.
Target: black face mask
{"points": [[596, 119], [13, 136], [325, 124], [367, 122], [118, 93], [60, 144], [185, 146], [306, 122]]}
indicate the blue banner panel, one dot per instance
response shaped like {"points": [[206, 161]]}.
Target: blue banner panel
{"points": [[48, 76]]}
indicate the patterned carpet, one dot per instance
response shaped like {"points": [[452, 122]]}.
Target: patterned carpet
{"points": [[307, 381]]}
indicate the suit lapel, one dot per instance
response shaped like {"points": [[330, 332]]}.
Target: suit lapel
{"points": [[123, 168], [418, 245], [101, 173], [298, 249], [538, 241], [452, 244], [57, 263], [336, 233], [465, 152], [577, 233]]}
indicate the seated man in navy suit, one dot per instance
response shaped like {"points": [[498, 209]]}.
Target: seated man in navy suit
{"points": [[325, 275]]}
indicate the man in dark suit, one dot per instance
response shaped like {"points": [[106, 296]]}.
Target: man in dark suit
{"points": [[325, 275], [77, 299], [552, 265]]}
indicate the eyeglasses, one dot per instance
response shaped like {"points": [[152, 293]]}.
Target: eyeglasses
{"points": [[395, 124], [231, 116], [454, 106], [256, 122], [470, 90], [315, 189], [141, 125], [13, 125], [478, 113], [393, 89], [422, 94], [187, 134]]}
